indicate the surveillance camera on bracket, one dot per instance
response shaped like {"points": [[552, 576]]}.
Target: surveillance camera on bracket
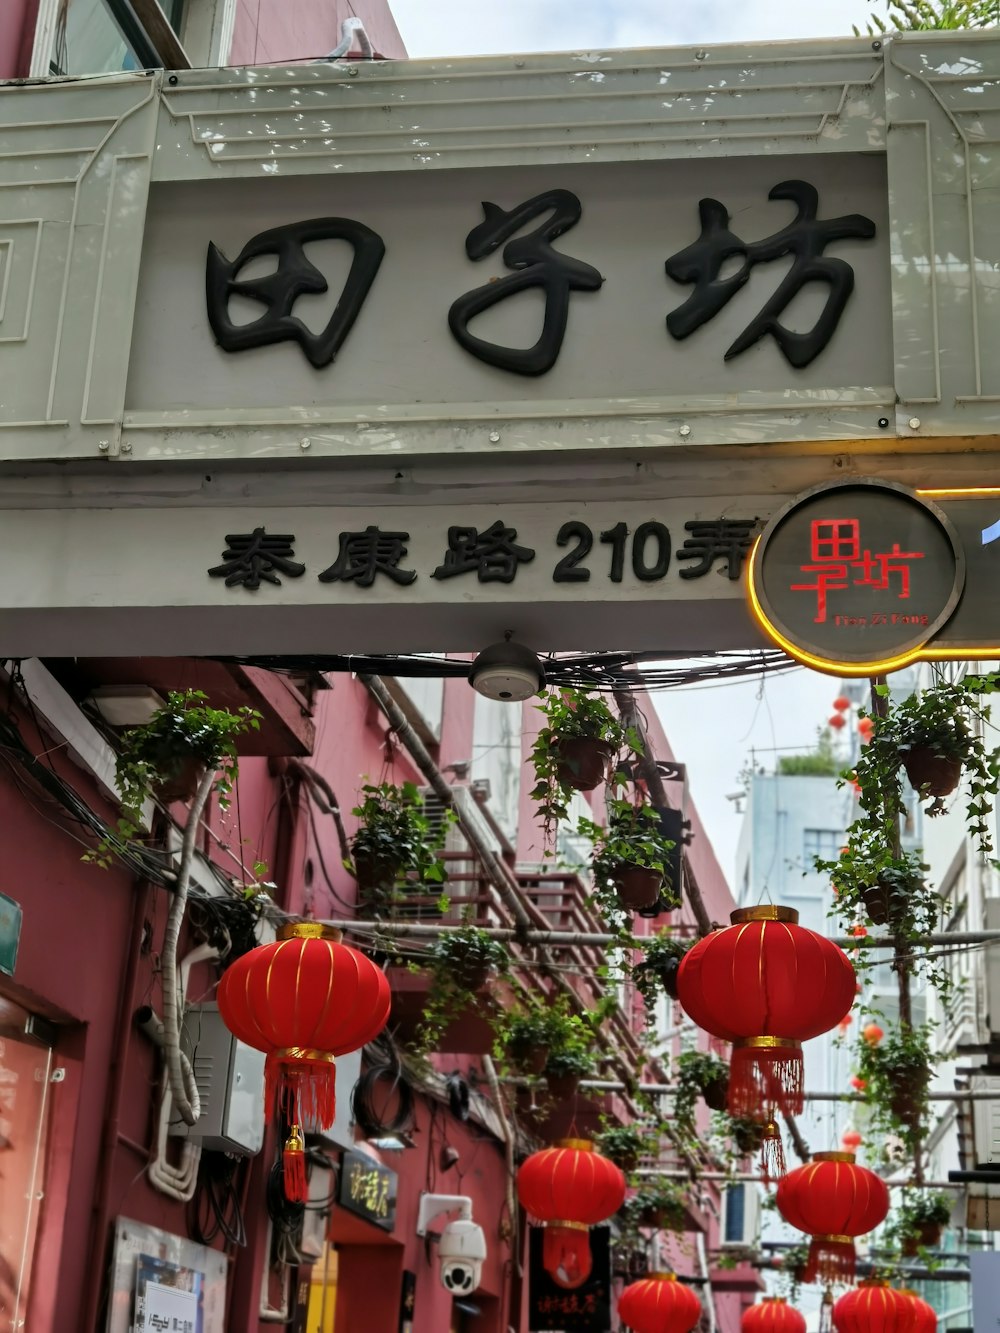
{"points": [[462, 1243]]}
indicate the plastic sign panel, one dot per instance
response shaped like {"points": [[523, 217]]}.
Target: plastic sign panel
{"points": [[582, 1309], [866, 576], [368, 1189]]}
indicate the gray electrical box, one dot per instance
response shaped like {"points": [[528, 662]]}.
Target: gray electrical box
{"points": [[230, 1079]]}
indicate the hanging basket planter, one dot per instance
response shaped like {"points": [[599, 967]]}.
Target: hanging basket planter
{"points": [[636, 886], [877, 899], [179, 779], [562, 1086], [376, 875], [582, 762], [716, 1093], [930, 773], [906, 1101], [927, 1235], [528, 1057]]}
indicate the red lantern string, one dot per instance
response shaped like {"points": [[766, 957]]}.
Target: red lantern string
{"points": [[772, 1315], [659, 1304], [832, 1200], [766, 984], [569, 1188]]}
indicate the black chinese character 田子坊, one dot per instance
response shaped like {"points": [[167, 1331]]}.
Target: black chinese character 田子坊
{"points": [[805, 238], [535, 264], [294, 276]]}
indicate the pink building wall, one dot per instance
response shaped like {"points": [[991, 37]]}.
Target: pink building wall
{"points": [[280, 30], [17, 30]]}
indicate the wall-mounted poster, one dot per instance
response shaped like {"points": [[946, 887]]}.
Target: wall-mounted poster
{"points": [[168, 1297]]}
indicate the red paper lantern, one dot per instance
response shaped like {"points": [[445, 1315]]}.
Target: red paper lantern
{"points": [[859, 1084], [872, 1034], [924, 1318], [303, 1000], [873, 1307], [832, 1200], [837, 721], [841, 703], [766, 984], [659, 1304], [569, 1188], [851, 1140], [772, 1315], [866, 725]]}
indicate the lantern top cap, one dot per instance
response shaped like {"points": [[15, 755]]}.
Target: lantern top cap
{"points": [[764, 912], [578, 1145], [661, 1277], [310, 930], [874, 1282], [834, 1157], [774, 1300]]}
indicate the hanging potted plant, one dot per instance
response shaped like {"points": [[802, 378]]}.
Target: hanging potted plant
{"points": [[571, 1055], [934, 736], [747, 1135], [897, 1072], [576, 750], [526, 1033], [922, 1217], [624, 1145], [867, 877], [467, 957], [395, 840], [657, 969], [658, 1205], [631, 856], [168, 756], [699, 1074]]}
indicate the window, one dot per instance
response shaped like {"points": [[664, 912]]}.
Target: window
{"points": [[106, 36], [824, 843]]}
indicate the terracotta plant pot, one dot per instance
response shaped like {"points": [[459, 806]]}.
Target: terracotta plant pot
{"points": [[636, 886], [181, 781], [716, 1093], [877, 900], [470, 975], [562, 1086], [906, 1099], [583, 763], [928, 1237], [528, 1058], [931, 774], [375, 874]]}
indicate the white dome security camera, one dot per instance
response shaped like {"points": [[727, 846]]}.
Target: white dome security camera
{"points": [[462, 1250], [507, 671]]}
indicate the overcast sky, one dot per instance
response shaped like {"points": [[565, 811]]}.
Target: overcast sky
{"points": [[487, 27]]}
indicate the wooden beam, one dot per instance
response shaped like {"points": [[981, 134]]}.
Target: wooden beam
{"points": [[161, 34]]}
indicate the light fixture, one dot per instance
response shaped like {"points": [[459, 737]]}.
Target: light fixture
{"points": [[507, 671]]}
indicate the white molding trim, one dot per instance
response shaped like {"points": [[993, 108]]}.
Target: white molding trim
{"points": [[45, 35]]}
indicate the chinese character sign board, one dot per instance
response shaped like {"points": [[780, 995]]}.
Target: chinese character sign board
{"points": [[857, 575], [585, 1309], [368, 1189]]}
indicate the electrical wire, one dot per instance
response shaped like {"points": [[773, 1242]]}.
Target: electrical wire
{"points": [[383, 1065], [215, 1209]]}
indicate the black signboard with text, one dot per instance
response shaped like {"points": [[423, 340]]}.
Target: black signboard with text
{"points": [[584, 1309], [369, 1189]]}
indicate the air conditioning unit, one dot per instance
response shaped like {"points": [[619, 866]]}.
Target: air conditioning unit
{"points": [[317, 1213], [230, 1079], [986, 1121], [740, 1228]]}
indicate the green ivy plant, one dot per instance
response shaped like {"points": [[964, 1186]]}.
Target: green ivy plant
{"points": [[793, 1265], [396, 840], [659, 1202], [660, 955], [459, 962], [897, 1072], [694, 1071], [625, 1144], [632, 837], [570, 714], [868, 880], [942, 719], [933, 16], [185, 731]]}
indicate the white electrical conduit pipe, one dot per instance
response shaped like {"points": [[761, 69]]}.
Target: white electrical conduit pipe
{"points": [[177, 1182]]}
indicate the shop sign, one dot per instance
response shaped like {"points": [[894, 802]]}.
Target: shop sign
{"points": [[10, 933], [582, 1309], [368, 1189], [867, 576]]}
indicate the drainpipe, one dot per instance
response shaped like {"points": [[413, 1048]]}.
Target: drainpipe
{"points": [[96, 1265]]}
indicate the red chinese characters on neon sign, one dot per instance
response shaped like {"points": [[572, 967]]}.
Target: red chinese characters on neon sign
{"points": [[838, 561]]}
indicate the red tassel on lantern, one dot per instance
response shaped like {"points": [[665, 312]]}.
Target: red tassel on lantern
{"points": [[293, 1161], [569, 1188], [832, 1200], [772, 1153], [304, 1000], [659, 1304], [766, 984]]}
